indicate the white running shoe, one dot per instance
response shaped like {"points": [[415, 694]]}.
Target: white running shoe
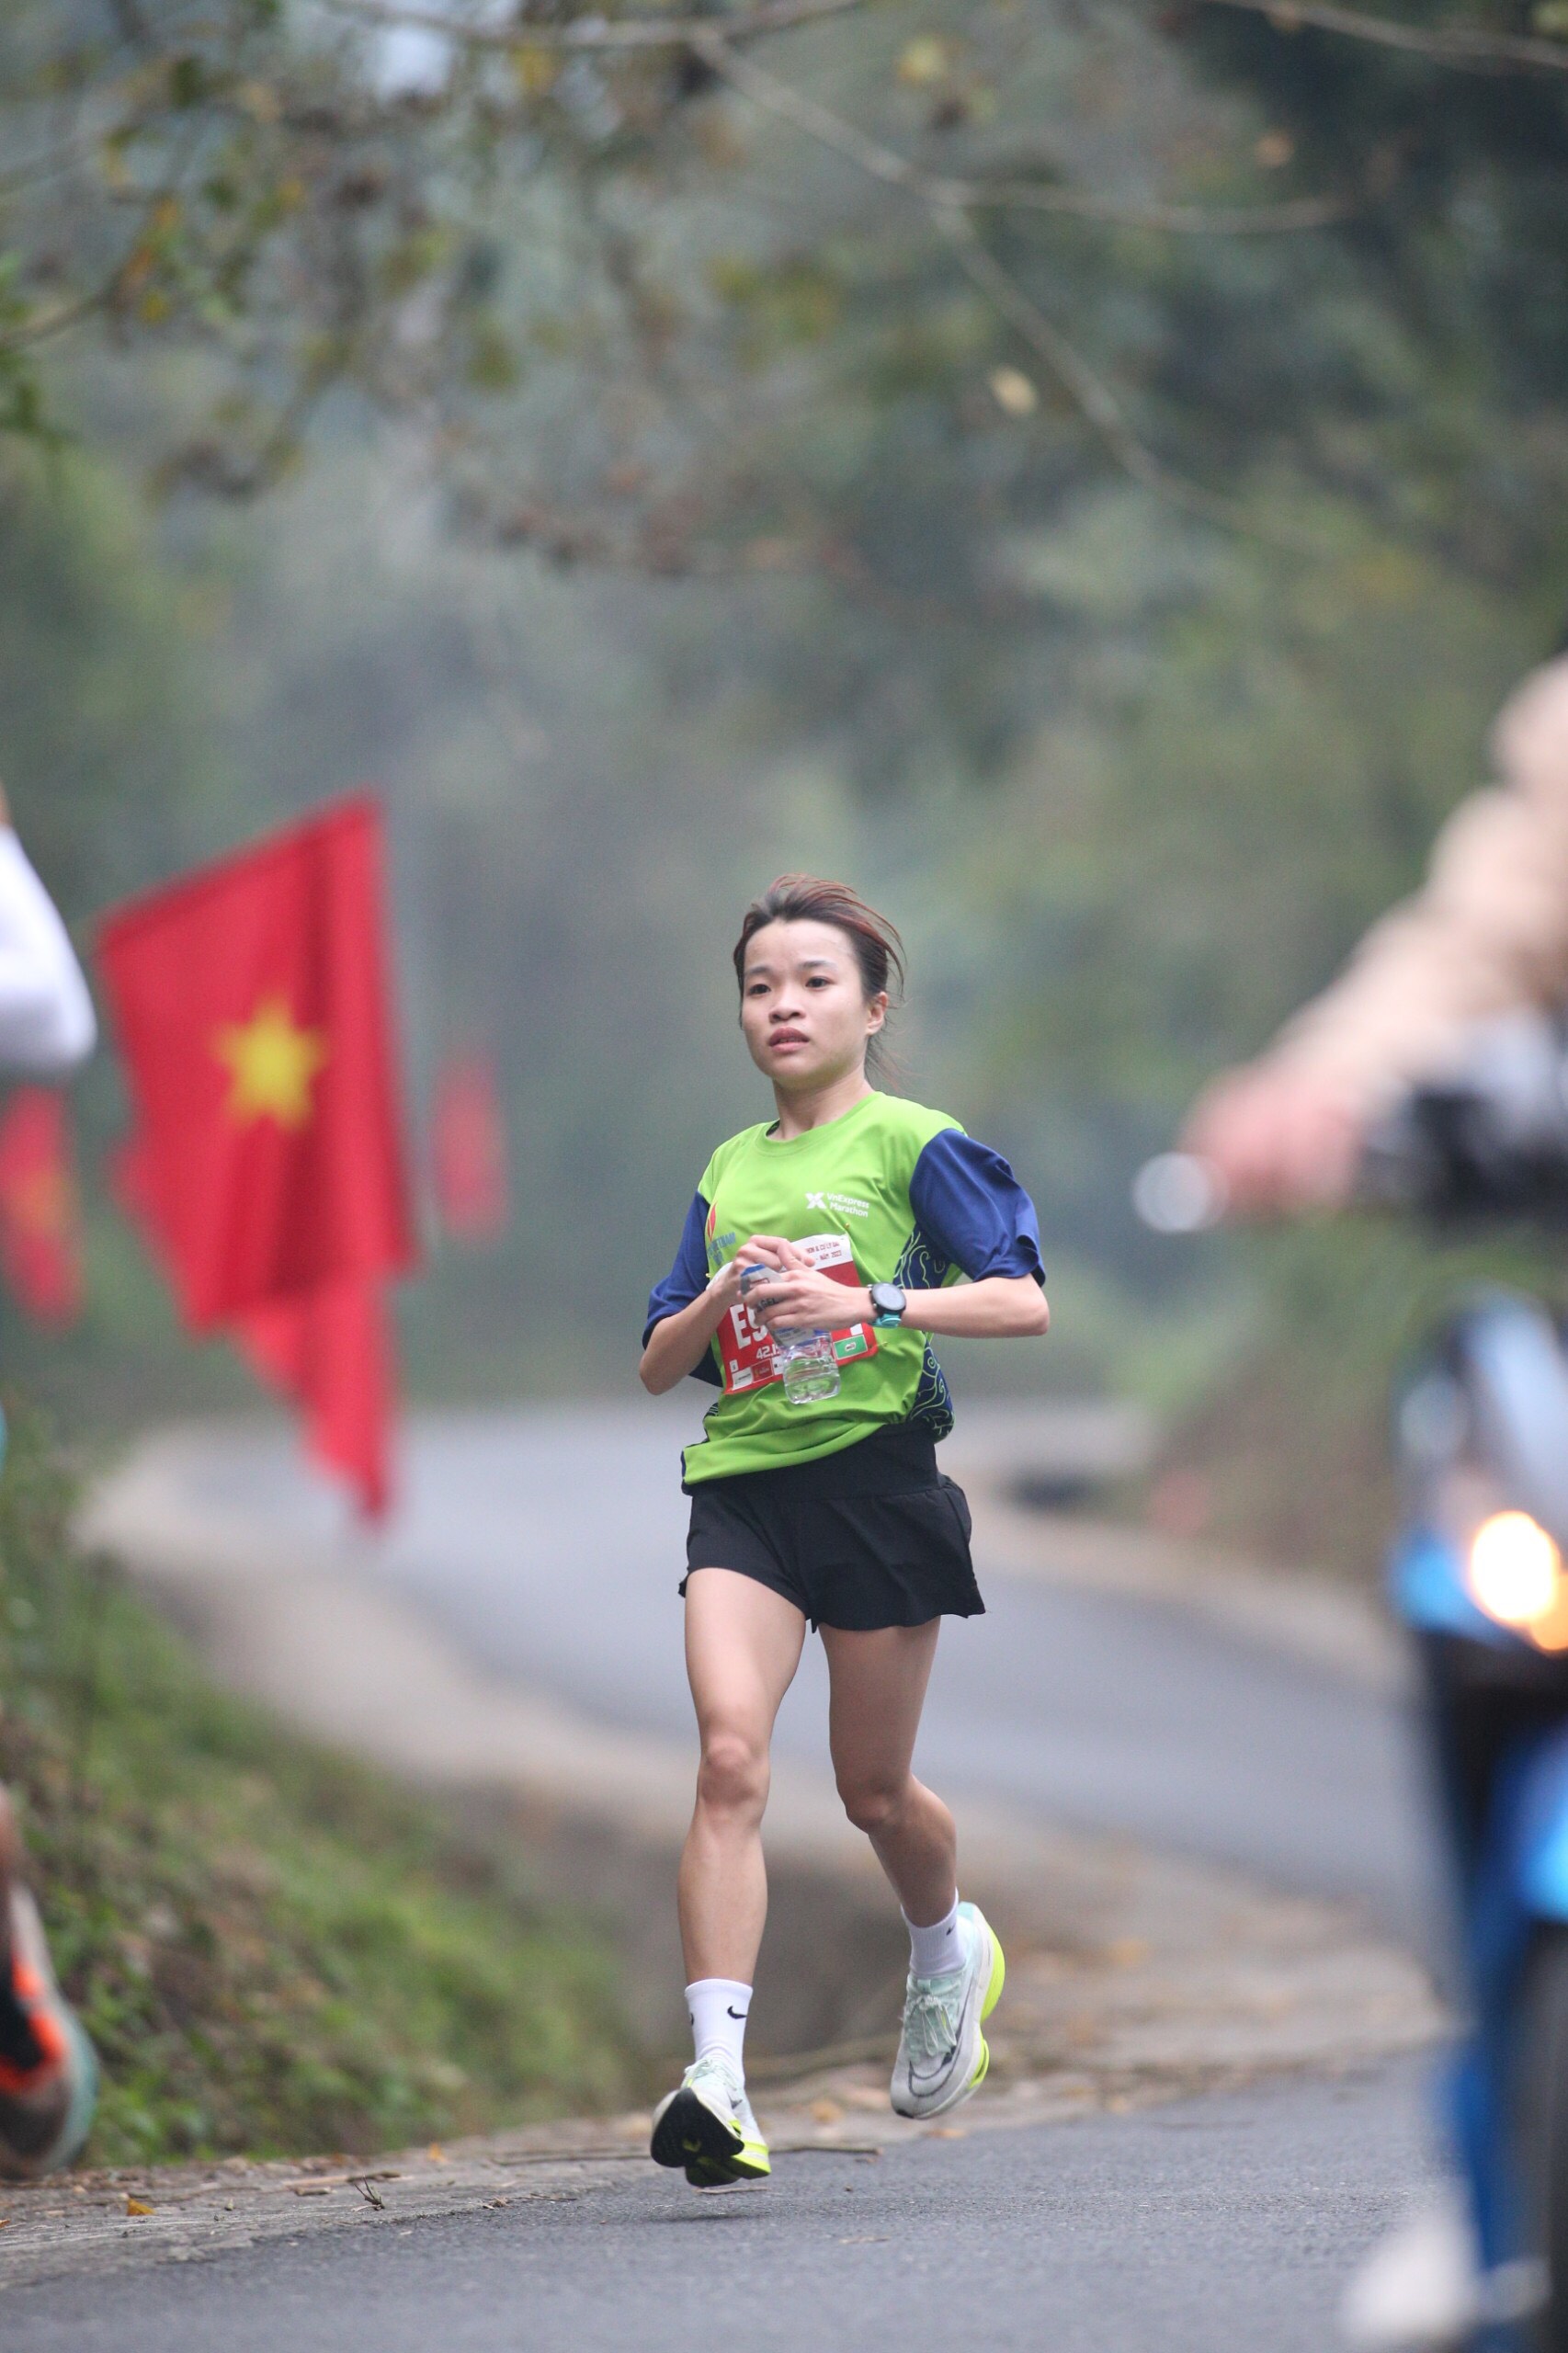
{"points": [[942, 2054], [1422, 2289], [707, 2127]]}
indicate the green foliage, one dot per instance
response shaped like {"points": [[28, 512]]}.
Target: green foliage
{"points": [[798, 302], [1239, 784], [272, 1948], [104, 753], [307, 204]]}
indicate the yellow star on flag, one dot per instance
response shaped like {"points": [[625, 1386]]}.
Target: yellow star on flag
{"points": [[272, 1061]]}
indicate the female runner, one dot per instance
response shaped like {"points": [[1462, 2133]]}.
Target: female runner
{"points": [[859, 1210]]}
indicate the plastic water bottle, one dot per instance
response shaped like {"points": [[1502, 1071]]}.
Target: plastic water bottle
{"points": [[803, 1355], [805, 1358]]}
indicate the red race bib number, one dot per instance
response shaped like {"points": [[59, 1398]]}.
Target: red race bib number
{"points": [[750, 1358]]}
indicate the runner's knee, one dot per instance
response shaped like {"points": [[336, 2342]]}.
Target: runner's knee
{"points": [[732, 1776], [872, 1803]]}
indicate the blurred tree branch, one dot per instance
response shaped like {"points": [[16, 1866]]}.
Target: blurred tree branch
{"points": [[949, 203], [1470, 47], [1303, 214], [596, 32], [1087, 389], [971, 194]]}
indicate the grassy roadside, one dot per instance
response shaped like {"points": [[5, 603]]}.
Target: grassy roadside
{"points": [[274, 1949]]}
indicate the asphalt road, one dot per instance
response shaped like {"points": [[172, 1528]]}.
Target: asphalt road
{"points": [[550, 1543], [1226, 2225]]}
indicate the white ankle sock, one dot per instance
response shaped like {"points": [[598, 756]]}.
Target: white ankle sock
{"points": [[937, 1950], [717, 2007]]}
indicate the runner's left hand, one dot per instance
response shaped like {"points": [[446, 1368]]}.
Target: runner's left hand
{"points": [[798, 1297]]}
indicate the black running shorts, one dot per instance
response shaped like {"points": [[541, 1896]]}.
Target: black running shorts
{"points": [[872, 1536]]}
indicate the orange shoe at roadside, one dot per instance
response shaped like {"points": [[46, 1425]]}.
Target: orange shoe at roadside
{"points": [[48, 2076]]}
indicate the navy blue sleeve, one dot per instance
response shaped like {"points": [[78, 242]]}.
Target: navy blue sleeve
{"points": [[969, 1205], [686, 1280]]}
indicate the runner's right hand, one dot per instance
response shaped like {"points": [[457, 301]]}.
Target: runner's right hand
{"points": [[762, 1250]]}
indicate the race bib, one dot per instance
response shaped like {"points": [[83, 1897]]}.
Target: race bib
{"points": [[750, 1358]]}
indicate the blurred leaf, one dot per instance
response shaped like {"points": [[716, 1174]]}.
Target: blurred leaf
{"points": [[261, 100], [413, 259], [493, 365], [188, 83], [923, 60], [1015, 393], [536, 70]]}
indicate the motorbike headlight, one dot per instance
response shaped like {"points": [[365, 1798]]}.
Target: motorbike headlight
{"points": [[1515, 1575]]}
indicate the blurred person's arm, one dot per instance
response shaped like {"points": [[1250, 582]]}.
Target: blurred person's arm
{"points": [[1487, 934], [46, 1024]]}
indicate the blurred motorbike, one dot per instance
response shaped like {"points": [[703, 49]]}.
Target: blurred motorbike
{"points": [[1477, 1575]]}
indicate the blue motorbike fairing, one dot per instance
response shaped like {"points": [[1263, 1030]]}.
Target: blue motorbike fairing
{"points": [[1426, 1586], [1511, 1879], [1429, 1590], [1502, 1756], [1502, 1912], [1542, 1849], [1518, 1387]]}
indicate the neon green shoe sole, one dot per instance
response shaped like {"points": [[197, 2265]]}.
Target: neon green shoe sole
{"points": [[998, 1976], [686, 2133], [708, 2173], [749, 2163], [993, 1995]]}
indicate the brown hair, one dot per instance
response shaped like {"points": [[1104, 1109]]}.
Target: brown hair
{"points": [[803, 898]]}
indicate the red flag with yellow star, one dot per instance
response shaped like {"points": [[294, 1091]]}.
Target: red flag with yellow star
{"points": [[40, 1238], [252, 1006]]}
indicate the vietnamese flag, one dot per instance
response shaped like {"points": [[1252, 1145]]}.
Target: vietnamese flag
{"points": [[266, 1166], [40, 1236], [469, 1155]]}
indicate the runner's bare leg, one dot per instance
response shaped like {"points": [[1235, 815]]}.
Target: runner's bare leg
{"points": [[877, 1690], [742, 1645]]}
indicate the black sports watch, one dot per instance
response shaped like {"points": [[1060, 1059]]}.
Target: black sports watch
{"points": [[889, 1301]]}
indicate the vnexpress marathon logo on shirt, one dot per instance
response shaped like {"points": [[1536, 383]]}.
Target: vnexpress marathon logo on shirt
{"points": [[840, 1204], [717, 1243]]}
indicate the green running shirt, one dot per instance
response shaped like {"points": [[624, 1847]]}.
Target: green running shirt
{"points": [[895, 1193]]}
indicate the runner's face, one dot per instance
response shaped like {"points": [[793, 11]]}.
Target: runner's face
{"points": [[804, 1006]]}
